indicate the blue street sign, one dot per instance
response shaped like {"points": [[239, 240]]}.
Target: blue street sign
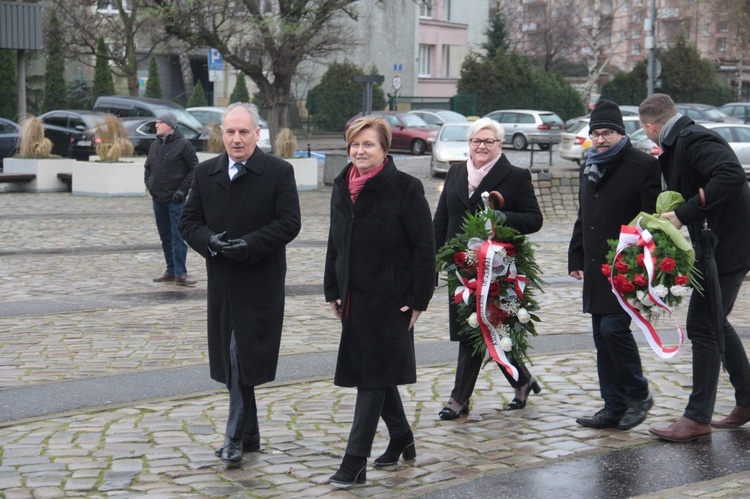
{"points": [[215, 60], [398, 67]]}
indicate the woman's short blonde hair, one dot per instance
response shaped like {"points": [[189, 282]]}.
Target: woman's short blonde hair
{"points": [[378, 124], [486, 124]]}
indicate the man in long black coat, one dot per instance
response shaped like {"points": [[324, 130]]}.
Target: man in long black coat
{"points": [[694, 157], [617, 183], [241, 213]]}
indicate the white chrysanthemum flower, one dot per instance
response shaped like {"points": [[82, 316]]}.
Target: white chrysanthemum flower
{"points": [[678, 290], [472, 320], [644, 299], [506, 344], [523, 315], [661, 290]]}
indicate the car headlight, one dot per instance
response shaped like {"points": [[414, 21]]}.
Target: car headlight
{"points": [[443, 156]]}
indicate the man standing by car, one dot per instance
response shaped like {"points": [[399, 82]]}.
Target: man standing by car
{"points": [[169, 173], [242, 211], [617, 183]]}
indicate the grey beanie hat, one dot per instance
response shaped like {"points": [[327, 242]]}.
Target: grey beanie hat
{"points": [[606, 114], [169, 119]]}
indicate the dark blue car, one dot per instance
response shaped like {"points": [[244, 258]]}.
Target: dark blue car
{"points": [[9, 134]]}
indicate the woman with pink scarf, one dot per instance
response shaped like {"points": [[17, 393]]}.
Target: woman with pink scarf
{"points": [[487, 169], [379, 277]]}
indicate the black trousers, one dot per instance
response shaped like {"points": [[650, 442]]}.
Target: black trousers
{"points": [[372, 404], [706, 356], [243, 411], [618, 361], [467, 371]]}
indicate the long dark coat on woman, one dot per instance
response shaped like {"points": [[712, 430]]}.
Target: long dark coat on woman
{"points": [[629, 186], [260, 206], [381, 256], [521, 207]]}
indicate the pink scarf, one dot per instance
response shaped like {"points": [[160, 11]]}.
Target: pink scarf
{"points": [[357, 181], [476, 175]]}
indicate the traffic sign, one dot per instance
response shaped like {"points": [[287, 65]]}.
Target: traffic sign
{"points": [[215, 60], [216, 75], [396, 83]]}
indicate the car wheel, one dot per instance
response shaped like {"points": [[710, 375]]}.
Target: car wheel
{"points": [[519, 142], [418, 147], [544, 147]]}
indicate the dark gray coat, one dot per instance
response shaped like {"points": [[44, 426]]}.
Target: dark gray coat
{"points": [[521, 207], [169, 166], [381, 256], [629, 186], [260, 206], [696, 157]]}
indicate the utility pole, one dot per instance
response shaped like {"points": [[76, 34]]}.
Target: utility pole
{"points": [[650, 25]]}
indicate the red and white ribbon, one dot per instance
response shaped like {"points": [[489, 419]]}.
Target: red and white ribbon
{"points": [[630, 236], [464, 291]]}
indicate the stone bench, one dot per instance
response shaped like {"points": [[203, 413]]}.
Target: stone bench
{"points": [[36, 175]]}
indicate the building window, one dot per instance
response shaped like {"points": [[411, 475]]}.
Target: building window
{"points": [[635, 49], [723, 27], [637, 16], [425, 9], [721, 44], [446, 10], [425, 60], [111, 6], [637, 3], [636, 34]]}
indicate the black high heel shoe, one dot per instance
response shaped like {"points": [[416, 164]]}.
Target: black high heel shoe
{"points": [[396, 447], [353, 471], [449, 414], [517, 403]]}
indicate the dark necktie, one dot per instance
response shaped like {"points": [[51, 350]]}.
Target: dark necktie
{"points": [[238, 166]]}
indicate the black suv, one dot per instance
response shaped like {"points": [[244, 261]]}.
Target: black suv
{"points": [[144, 107]]}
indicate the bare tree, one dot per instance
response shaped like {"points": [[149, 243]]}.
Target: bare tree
{"points": [[738, 19], [266, 40], [120, 22]]}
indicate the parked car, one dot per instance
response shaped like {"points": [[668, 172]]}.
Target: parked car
{"points": [[450, 146], [73, 133], [144, 107], [9, 135], [624, 110], [739, 110], [738, 137], [436, 117], [701, 113], [142, 132], [523, 126], [575, 142], [642, 142], [213, 114], [409, 131]]}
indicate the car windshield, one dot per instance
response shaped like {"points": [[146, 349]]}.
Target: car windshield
{"points": [[181, 115], [413, 121], [578, 126], [551, 118], [638, 135], [714, 114], [451, 116], [453, 134]]}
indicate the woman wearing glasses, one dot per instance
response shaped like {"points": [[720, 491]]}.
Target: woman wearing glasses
{"points": [[487, 169]]}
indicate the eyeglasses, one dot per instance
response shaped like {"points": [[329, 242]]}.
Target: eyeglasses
{"points": [[486, 142], [606, 135]]}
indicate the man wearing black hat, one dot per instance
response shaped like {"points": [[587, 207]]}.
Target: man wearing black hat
{"points": [[617, 182], [169, 173]]}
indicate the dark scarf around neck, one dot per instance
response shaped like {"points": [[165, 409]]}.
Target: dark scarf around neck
{"points": [[597, 162]]}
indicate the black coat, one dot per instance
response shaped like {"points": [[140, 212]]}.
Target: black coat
{"points": [[169, 166], [629, 186], [381, 256], [260, 206], [695, 157], [521, 207]]}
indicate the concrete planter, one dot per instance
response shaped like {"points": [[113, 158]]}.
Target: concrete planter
{"points": [[46, 171], [205, 156], [109, 179], [305, 172]]}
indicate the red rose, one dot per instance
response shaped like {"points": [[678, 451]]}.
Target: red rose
{"points": [[640, 280], [681, 280], [667, 265], [622, 285], [460, 258], [494, 288], [622, 267], [606, 269], [639, 260], [495, 314]]}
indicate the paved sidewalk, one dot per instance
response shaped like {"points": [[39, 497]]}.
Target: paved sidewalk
{"points": [[77, 303]]}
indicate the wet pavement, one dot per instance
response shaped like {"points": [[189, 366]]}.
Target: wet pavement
{"points": [[104, 390]]}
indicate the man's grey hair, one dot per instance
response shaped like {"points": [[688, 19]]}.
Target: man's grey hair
{"points": [[250, 108], [488, 124]]}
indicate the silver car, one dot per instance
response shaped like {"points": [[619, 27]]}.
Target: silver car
{"points": [[524, 126], [450, 146], [575, 143], [212, 114], [738, 137]]}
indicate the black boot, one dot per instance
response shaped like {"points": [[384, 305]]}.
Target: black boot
{"points": [[353, 470], [397, 446]]}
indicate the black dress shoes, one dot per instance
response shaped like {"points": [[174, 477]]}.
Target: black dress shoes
{"points": [[448, 414], [518, 403], [232, 450], [250, 443], [353, 471], [636, 413], [605, 418]]}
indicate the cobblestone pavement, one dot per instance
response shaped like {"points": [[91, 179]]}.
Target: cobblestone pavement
{"points": [[91, 260]]}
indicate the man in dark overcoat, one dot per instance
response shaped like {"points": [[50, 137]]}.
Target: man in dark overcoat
{"points": [[694, 157], [617, 182], [242, 211]]}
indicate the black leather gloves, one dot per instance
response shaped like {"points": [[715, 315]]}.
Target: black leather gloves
{"points": [[178, 198], [217, 242], [236, 249]]}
